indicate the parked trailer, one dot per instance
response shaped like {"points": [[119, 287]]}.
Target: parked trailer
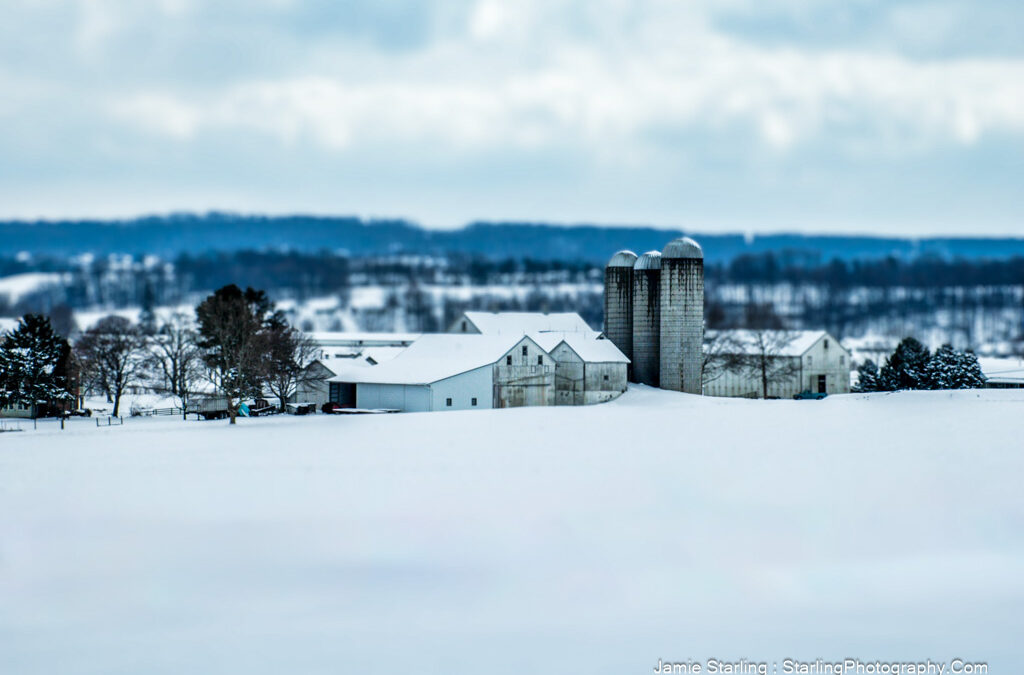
{"points": [[210, 408]]}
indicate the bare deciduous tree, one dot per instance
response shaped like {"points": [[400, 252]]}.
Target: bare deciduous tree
{"points": [[176, 358], [288, 353], [112, 353], [761, 354]]}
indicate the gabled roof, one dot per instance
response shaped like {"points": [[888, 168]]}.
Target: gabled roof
{"points": [[781, 342], [519, 323], [593, 350], [435, 357], [588, 346]]}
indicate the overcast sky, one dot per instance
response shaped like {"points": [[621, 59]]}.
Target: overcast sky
{"points": [[893, 116]]}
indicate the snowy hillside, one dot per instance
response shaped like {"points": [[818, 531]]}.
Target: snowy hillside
{"points": [[545, 540]]}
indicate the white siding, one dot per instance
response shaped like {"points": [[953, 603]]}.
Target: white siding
{"points": [[405, 397], [462, 389]]}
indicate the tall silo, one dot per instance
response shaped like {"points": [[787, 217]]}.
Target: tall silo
{"points": [[647, 318], [682, 315], [618, 301]]}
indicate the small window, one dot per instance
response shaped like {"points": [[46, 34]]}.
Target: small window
{"points": [[472, 401], [842, 360], [448, 402], [540, 360], [826, 343], [605, 378], [508, 360], [810, 360], [463, 326], [525, 351]]}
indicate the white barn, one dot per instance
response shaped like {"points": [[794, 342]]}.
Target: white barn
{"points": [[453, 372], [799, 360], [588, 369]]}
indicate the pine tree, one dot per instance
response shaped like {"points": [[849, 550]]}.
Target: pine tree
{"points": [[968, 374], [867, 377], [34, 364], [905, 368], [941, 371]]}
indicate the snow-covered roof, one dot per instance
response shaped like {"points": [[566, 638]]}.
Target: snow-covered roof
{"points": [[588, 345], [434, 357], [329, 339], [782, 342], [381, 354], [593, 350], [1002, 370], [519, 323]]}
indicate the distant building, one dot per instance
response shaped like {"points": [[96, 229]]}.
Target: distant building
{"points": [[1002, 372], [519, 323], [796, 361], [346, 347]]}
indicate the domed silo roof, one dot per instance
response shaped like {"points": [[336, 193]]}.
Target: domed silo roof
{"points": [[684, 247], [649, 261], [622, 259]]}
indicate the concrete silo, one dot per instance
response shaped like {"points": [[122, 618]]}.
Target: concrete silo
{"points": [[647, 318], [618, 301], [682, 316]]}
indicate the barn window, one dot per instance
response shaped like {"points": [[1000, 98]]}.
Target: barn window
{"points": [[826, 343], [448, 402], [540, 360], [508, 360], [810, 360], [463, 326], [472, 401], [605, 378], [525, 351], [842, 360]]}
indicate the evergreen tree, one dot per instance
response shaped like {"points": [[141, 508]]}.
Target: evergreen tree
{"points": [[905, 368], [952, 369], [942, 367], [232, 334], [969, 375], [867, 377], [34, 364]]}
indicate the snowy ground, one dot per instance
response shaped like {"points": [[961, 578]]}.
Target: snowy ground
{"points": [[546, 540]]}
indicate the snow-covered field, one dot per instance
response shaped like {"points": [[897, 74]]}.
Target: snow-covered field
{"points": [[546, 540]]}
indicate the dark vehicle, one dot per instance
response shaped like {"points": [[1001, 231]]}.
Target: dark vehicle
{"points": [[807, 395], [260, 407], [329, 407]]}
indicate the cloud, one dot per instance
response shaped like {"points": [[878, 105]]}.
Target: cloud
{"points": [[598, 95], [603, 108]]}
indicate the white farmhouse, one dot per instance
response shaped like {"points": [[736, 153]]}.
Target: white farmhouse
{"points": [[795, 361]]}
